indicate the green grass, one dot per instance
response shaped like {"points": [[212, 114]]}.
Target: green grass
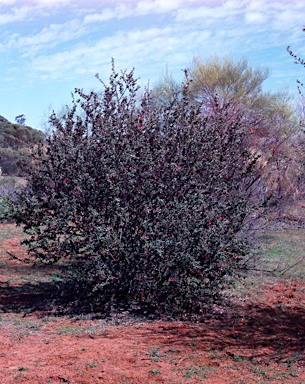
{"points": [[154, 372], [283, 254], [91, 365], [69, 330]]}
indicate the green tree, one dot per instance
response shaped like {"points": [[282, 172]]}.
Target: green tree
{"points": [[228, 78], [166, 89], [20, 119], [276, 124]]}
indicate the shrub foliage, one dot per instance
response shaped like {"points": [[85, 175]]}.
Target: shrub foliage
{"points": [[145, 204]]}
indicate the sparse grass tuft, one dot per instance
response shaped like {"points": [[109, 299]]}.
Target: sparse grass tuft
{"points": [[92, 365], [154, 372], [283, 253]]}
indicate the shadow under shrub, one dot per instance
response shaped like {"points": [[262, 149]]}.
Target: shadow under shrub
{"points": [[145, 203]]}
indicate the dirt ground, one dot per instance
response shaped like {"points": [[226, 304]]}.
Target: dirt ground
{"points": [[260, 338]]}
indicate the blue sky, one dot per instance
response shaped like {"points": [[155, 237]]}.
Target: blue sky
{"points": [[49, 47]]}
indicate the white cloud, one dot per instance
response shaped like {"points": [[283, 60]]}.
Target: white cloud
{"points": [[120, 12], [16, 14], [50, 3], [15, 11], [7, 2], [208, 13], [148, 49], [140, 8], [48, 37], [255, 18], [105, 15], [177, 41], [289, 18], [157, 6]]}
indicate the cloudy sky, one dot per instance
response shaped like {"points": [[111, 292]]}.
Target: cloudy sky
{"points": [[49, 47]]}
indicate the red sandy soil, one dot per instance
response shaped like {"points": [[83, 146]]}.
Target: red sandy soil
{"points": [[259, 338]]}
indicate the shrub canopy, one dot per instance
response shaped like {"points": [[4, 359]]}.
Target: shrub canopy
{"points": [[145, 203]]}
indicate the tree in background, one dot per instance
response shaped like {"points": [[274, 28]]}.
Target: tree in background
{"points": [[145, 202], [166, 89], [276, 122], [20, 119], [300, 144], [227, 78]]}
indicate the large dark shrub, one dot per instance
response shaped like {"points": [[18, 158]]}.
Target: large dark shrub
{"points": [[144, 203]]}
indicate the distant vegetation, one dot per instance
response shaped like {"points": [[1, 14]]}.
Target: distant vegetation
{"points": [[16, 141], [273, 118]]}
